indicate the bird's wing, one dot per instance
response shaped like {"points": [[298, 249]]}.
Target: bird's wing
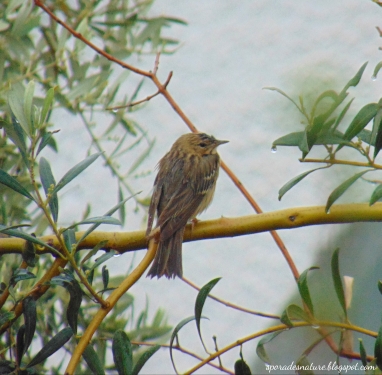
{"points": [[183, 194]]}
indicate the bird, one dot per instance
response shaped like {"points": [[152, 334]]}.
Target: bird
{"points": [[183, 188]]}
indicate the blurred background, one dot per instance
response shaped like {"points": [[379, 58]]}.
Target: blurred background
{"points": [[229, 52]]}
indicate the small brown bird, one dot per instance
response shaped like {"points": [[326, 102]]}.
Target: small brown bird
{"points": [[183, 188]]}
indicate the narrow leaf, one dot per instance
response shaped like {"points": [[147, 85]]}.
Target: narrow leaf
{"points": [[109, 213], [21, 274], [359, 122], [283, 94], [378, 349], [377, 132], [199, 303], [304, 366], [74, 305], [20, 347], [122, 353], [30, 319], [339, 190], [103, 258], [291, 139], [48, 182], [294, 312], [97, 220], [54, 344], [75, 171], [46, 106], [174, 334], [28, 105], [302, 284], [144, 358], [260, 349], [69, 239], [362, 353], [94, 251], [16, 133], [25, 236], [342, 114], [45, 139], [29, 254], [93, 361], [16, 103], [337, 280], [355, 80], [294, 181], [105, 277], [12, 183]]}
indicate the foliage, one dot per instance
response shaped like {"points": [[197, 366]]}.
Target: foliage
{"points": [[66, 60]]}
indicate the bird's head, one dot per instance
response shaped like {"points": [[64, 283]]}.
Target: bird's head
{"points": [[198, 144]]}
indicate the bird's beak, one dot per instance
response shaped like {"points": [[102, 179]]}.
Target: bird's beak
{"points": [[218, 142]]}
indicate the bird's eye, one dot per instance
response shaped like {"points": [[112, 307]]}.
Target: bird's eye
{"points": [[202, 144]]}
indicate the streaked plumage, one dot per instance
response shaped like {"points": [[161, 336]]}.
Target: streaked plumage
{"points": [[183, 188]]}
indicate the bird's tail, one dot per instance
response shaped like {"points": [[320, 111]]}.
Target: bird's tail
{"points": [[168, 258]]}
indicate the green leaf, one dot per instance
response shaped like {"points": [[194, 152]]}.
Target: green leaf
{"points": [[339, 190], [75, 171], [94, 251], [376, 70], [21, 274], [93, 361], [283, 94], [144, 358], [30, 319], [6, 317], [28, 106], [103, 258], [302, 284], [105, 277], [355, 80], [294, 181], [46, 106], [337, 280], [109, 213], [199, 303], [16, 133], [20, 348], [342, 114], [29, 254], [74, 305], [97, 220], [294, 312], [260, 349], [122, 353], [48, 182], [25, 236], [304, 366], [54, 344], [378, 349], [241, 368], [13, 184], [46, 138], [69, 239], [362, 353], [380, 286], [377, 132], [174, 334], [15, 101], [361, 119]]}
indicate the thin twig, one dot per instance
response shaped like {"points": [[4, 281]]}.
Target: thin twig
{"points": [[233, 306]]}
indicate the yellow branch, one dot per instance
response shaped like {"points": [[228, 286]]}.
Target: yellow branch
{"points": [[224, 227], [111, 301]]}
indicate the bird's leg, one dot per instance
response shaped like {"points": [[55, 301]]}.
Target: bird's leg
{"points": [[155, 233], [194, 221]]}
